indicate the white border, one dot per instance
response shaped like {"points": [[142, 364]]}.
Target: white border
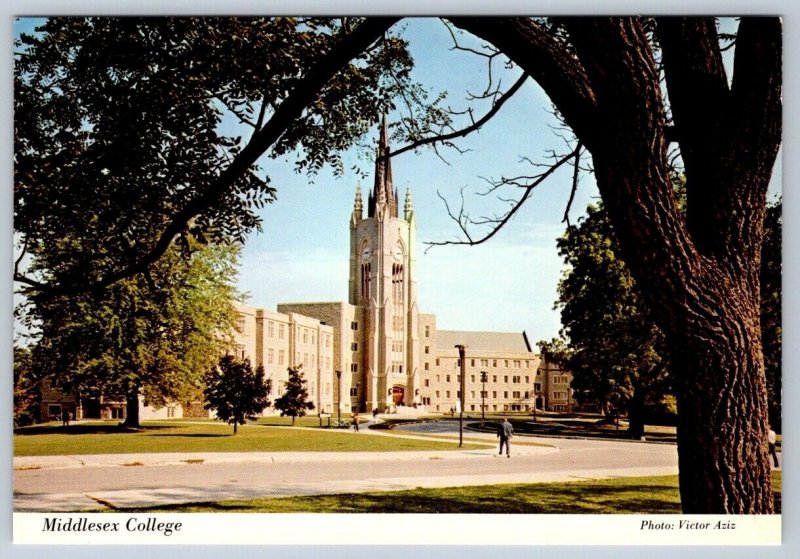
{"points": [[455, 527]]}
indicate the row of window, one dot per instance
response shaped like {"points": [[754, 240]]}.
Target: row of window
{"points": [[515, 363], [515, 379], [305, 333], [515, 394]]}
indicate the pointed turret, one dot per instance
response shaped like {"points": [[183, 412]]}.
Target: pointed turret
{"points": [[408, 208], [358, 206], [383, 194]]}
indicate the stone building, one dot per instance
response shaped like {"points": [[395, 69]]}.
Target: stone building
{"points": [[385, 353], [377, 351]]}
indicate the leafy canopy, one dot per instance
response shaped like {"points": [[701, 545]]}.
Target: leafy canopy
{"points": [[235, 392]]}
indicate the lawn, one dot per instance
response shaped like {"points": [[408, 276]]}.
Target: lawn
{"points": [[642, 495], [182, 436]]}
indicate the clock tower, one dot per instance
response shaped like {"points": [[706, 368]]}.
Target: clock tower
{"points": [[383, 287]]}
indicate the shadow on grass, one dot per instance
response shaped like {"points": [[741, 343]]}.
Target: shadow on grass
{"points": [[191, 435], [89, 429]]}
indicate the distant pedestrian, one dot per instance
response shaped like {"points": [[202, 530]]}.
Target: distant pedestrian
{"points": [[505, 431], [375, 412], [772, 438], [355, 421], [65, 418]]}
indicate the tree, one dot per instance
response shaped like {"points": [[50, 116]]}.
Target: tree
{"points": [[771, 330], [617, 353], [154, 335], [235, 392], [27, 390], [121, 152], [293, 402], [699, 272]]}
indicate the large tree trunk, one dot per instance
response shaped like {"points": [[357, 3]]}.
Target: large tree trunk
{"points": [[700, 275], [132, 410], [636, 413], [722, 414]]}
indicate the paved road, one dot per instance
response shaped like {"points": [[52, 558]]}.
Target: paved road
{"points": [[95, 482]]}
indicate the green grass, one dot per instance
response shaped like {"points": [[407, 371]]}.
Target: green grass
{"points": [[642, 495], [176, 436]]}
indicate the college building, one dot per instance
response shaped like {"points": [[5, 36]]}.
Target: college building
{"points": [[378, 351]]}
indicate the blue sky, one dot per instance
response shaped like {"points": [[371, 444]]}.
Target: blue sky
{"points": [[507, 284]]}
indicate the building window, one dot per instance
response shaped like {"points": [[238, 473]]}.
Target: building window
{"points": [[484, 362], [437, 394], [472, 394], [240, 352], [305, 336], [515, 379], [270, 356], [537, 386], [354, 367], [472, 378], [354, 346], [240, 322], [505, 379], [280, 331], [505, 394], [527, 379], [471, 362], [427, 331], [427, 349], [506, 363], [427, 383], [354, 392], [515, 394], [447, 394], [281, 357], [354, 325], [494, 394], [271, 329], [437, 361], [494, 363], [438, 378], [494, 378], [427, 366], [447, 378]]}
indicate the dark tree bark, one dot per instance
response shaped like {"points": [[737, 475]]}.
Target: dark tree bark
{"points": [[132, 410], [701, 274]]}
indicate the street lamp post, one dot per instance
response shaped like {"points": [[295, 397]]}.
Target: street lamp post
{"points": [[461, 353], [484, 376], [339, 396]]}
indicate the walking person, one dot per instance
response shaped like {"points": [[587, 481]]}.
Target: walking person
{"points": [[772, 438], [355, 421], [65, 418], [505, 431]]}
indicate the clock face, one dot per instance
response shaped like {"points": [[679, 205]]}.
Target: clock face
{"points": [[365, 252], [397, 253]]}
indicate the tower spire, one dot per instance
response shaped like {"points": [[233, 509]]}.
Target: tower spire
{"points": [[383, 194], [358, 205], [408, 208]]}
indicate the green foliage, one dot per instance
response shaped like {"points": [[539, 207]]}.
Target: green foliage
{"points": [[618, 355], [27, 390], [294, 402], [157, 334], [123, 129], [235, 392]]}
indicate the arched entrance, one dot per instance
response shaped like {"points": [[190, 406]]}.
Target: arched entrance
{"points": [[398, 395]]}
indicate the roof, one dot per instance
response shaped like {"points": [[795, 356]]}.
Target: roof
{"points": [[508, 342]]}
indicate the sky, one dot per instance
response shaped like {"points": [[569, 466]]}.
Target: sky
{"points": [[507, 284]]}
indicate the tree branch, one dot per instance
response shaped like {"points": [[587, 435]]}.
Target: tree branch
{"points": [[290, 109], [463, 220], [443, 138]]}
